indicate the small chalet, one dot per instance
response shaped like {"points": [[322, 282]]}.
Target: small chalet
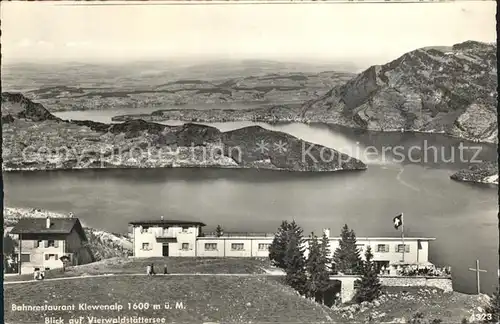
{"points": [[42, 242]]}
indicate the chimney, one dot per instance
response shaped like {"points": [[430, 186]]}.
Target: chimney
{"points": [[47, 222], [326, 231], [161, 217]]}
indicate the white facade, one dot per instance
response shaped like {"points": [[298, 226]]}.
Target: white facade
{"points": [[165, 240], [156, 240]]}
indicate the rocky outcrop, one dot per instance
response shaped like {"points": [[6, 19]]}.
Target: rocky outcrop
{"points": [[446, 90], [58, 144], [486, 172], [450, 90], [17, 105]]}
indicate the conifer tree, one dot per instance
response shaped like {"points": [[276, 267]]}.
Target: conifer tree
{"points": [[318, 268], [294, 261], [346, 258], [325, 253], [368, 287], [279, 245], [326, 261], [280, 242], [313, 267], [493, 308], [219, 231]]}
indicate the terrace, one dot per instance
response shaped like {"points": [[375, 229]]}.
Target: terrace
{"points": [[237, 234]]}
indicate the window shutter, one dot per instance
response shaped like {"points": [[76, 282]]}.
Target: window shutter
{"points": [[46, 257], [407, 248], [56, 243], [57, 257], [46, 243], [35, 243], [387, 248], [396, 248]]}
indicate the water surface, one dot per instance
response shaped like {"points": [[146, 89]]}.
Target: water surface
{"points": [[462, 217]]}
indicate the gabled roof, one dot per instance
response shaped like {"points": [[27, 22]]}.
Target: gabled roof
{"points": [[169, 222], [38, 225]]}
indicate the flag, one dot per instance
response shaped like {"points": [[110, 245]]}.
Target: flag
{"points": [[398, 221]]}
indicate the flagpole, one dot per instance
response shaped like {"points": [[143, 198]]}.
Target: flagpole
{"points": [[403, 235]]}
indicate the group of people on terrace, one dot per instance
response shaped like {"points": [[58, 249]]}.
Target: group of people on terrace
{"points": [[428, 270]]}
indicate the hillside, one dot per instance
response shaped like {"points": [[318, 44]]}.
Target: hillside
{"points": [[448, 90], [103, 245], [209, 293], [33, 139]]}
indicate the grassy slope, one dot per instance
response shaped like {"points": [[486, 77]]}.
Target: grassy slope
{"points": [[174, 265], [228, 299], [212, 298]]}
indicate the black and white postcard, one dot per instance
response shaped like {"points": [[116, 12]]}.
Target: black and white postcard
{"points": [[249, 162]]}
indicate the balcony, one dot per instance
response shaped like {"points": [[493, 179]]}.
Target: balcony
{"points": [[165, 235]]}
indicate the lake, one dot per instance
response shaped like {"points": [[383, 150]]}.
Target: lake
{"points": [[462, 217]]}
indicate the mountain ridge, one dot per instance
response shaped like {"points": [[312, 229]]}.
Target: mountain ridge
{"points": [[425, 90], [422, 90], [33, 139]]}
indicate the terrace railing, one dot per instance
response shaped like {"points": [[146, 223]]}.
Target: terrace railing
{"points": [[238, 234]]}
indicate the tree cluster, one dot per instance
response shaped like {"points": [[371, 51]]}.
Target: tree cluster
{"points": [[310, 275]]}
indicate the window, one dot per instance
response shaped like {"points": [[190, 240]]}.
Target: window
{"points": [[38, 243], [237, 246], [382, 247], [400, 247], [185, 246], [185, 229], [25, 258], [144, 229], [47, 269], [263, 246], [210, 246], [51, 243], [145, 246], [50, 257]]}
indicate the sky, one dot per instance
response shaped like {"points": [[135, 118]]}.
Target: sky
{"points": [[353, 32]]}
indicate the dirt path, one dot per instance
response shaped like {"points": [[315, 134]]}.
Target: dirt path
{"points": [[143, 274]]}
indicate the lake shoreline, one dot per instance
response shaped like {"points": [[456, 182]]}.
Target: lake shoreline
{"points": [[275, 121]]}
